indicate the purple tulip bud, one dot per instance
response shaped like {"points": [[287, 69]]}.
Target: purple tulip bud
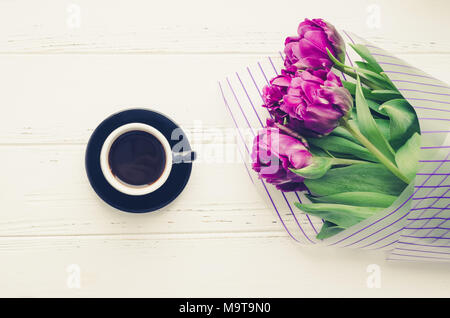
{"points": [[273, 95], [309, 48], [317, 100], [274, 153]]}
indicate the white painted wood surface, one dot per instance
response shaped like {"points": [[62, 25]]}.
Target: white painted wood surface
{"points": [[218, 238]]}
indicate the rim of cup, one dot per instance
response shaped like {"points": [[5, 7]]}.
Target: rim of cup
{"points": [[128, 188]]}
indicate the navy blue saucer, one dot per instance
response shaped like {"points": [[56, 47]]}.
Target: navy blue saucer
{"points": [[175, 183]]}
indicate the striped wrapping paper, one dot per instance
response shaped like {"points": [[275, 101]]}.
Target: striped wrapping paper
{"points": [[417, 226]]}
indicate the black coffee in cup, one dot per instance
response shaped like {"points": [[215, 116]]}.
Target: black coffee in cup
{"points": [[137, 158]]}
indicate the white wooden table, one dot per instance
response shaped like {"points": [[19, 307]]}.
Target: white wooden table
{"points": [[66, 65]]}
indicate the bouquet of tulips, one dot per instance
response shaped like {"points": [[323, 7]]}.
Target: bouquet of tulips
{"points": [[352, 144]]}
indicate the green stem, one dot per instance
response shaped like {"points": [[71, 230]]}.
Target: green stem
{"points": [[374, 150], [350, 72], [341, 161]]}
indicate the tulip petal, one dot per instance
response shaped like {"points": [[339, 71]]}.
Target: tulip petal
{"points": [[274, 154], [321, 118], [319, 39], [307, 48]]}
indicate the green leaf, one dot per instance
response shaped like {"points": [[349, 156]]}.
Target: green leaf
{"points": [[385, 94], [365, 54], [366, 177], [384, 127], [339, 214], [357, 198], [382, 124], [370, 76], [351, 87], [371, 70], [379, 96], [364, 65], [403, 120], [342, 132], [318, 152], [375, 106], [373, 77], [318, 167], [389, 81], [368, 126], [342, 145], [407, 156], [328, 229]]}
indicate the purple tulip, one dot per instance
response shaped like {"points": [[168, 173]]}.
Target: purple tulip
{"points": [[273, 95], [318, 100], [274, 153], [309, 48]]}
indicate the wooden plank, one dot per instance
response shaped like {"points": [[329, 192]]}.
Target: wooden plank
{"points": [[202, 26], [219, 239], [45, 191], [203, 266], [60, 99]]}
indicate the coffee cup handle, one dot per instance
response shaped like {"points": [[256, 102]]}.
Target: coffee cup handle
{"points": [[184, 157]]}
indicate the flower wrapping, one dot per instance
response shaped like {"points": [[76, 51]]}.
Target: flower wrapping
{"points": [[416, 227]]}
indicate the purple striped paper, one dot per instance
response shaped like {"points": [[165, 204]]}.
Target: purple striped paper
{"points": [[417, 226]]}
